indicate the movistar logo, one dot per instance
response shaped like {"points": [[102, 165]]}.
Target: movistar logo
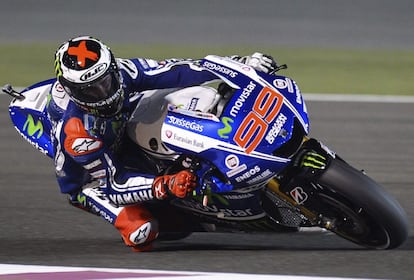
{"points": [[223, 132], [81, 199], [31, 127]]}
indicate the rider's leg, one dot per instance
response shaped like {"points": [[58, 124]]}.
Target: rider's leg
{"points": [[136, 224], [137, 227]]}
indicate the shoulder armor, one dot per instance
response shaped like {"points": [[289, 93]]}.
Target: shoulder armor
{"points": [[78, 142]]}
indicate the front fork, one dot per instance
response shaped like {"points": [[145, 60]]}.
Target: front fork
{"points": [[297, 183]]}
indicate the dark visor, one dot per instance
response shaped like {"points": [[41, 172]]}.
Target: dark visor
{"points": [[97, 91]]}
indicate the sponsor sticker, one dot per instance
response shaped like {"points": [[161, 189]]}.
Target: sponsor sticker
{"points": [[95, 71], [83, 145], [299, 195], [232, 162], [182, 122], [219, 68]]}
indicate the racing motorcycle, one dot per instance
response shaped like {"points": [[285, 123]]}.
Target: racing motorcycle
{"points": [[246, 138]]}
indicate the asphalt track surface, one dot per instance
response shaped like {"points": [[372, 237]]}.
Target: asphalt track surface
{"points": [[39, 227]]}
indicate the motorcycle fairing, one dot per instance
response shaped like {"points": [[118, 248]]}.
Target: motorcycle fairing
{"points": [[263, 115], [230, 206], [238, 75], [29, 116]]}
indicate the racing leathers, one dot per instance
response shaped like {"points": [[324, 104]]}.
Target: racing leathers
{"points": [[90, 150]]}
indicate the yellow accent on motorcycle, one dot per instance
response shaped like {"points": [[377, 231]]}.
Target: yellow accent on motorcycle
{"points": [[274, 186]]}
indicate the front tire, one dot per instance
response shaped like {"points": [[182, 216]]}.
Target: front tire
{"points": [[358, 209]]}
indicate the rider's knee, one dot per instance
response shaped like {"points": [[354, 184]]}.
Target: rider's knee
{"points": [[138, 227]]}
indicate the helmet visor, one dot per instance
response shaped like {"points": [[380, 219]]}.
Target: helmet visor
{"points": [[103, 97], [96, 92]]}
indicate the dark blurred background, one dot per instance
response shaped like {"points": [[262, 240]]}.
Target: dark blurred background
{"points": [[319, 23]]}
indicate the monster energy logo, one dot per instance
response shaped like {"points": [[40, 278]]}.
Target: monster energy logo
{"points": [[222, 132], [314, 160], [31, 127], [58, 69]]}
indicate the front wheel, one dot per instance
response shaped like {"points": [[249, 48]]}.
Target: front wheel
{"points": [[356, 208]]}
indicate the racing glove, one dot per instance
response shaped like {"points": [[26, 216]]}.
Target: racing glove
{"points": [[261, 62], [178, 185]]}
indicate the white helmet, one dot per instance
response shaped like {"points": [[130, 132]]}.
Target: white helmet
{"points": [[87, 70]]}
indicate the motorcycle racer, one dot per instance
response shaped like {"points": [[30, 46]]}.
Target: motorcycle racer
{"points": [[90, 104]]}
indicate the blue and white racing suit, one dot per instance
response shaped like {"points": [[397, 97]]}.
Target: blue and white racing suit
{"points": [[89, 149]]}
